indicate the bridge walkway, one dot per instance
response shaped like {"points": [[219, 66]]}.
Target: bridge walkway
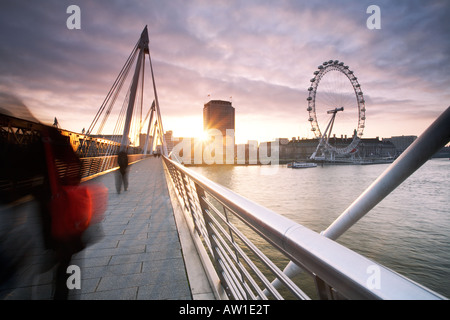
{"points": [[146, 250]]}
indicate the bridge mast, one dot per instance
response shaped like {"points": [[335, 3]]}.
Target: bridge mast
{"points": [[143, 47], [152, 111], [158, 113]]}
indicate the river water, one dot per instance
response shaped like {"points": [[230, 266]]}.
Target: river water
{"points": [[408, 232]]}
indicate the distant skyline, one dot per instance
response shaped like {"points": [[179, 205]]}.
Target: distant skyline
{"points": [[260, 55]]}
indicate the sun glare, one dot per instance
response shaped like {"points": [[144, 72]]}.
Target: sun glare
{"points": [[204, 136]]}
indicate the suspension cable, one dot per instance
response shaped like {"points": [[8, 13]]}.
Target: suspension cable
{"points": [[123, 73]]}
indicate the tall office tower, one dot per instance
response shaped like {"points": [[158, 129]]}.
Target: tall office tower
{"points": [[218, 114]]}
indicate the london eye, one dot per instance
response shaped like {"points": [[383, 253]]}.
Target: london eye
{"points": [[336, 108]]}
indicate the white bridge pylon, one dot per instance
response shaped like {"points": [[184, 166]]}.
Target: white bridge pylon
{"points": [[132, 106]]}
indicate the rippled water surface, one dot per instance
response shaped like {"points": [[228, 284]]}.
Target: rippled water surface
{"points": [[409, 231]]}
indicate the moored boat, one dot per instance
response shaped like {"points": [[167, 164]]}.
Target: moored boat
{"points": [[301, 165]]}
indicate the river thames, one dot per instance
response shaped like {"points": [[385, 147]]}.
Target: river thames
{"points": [[407, 232]]}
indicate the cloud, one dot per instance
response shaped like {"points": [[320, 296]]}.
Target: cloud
{"points": [[262, 53], [14, 107]]}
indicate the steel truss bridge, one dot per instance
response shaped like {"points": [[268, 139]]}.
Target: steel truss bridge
{"points": [[97, 155], [220, 219]]}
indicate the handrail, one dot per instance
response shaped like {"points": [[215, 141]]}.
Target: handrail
{"points": [[244, 270]]}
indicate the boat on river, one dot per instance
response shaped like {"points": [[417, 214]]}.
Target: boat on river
{"points": [[301, 165]]}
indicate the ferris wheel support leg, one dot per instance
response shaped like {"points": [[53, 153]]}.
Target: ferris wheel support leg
{"points": [[327, 133], [313, 156]]}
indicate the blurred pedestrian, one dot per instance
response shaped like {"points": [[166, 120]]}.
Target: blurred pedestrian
{"points": [[42, 168], [122, 173], [73, 207], [67, 205]]}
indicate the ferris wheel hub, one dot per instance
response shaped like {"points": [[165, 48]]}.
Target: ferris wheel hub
{"points": [[336, 110]]}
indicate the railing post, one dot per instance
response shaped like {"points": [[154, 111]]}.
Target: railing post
{"points": [[174, 175], [233, 244], [178, 179], [191, 201], [323, 290], [183, 190], [212, 241], [91, 163]]}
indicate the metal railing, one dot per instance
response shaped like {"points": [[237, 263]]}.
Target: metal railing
{"points": [[92, 166], [228, 225]]}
